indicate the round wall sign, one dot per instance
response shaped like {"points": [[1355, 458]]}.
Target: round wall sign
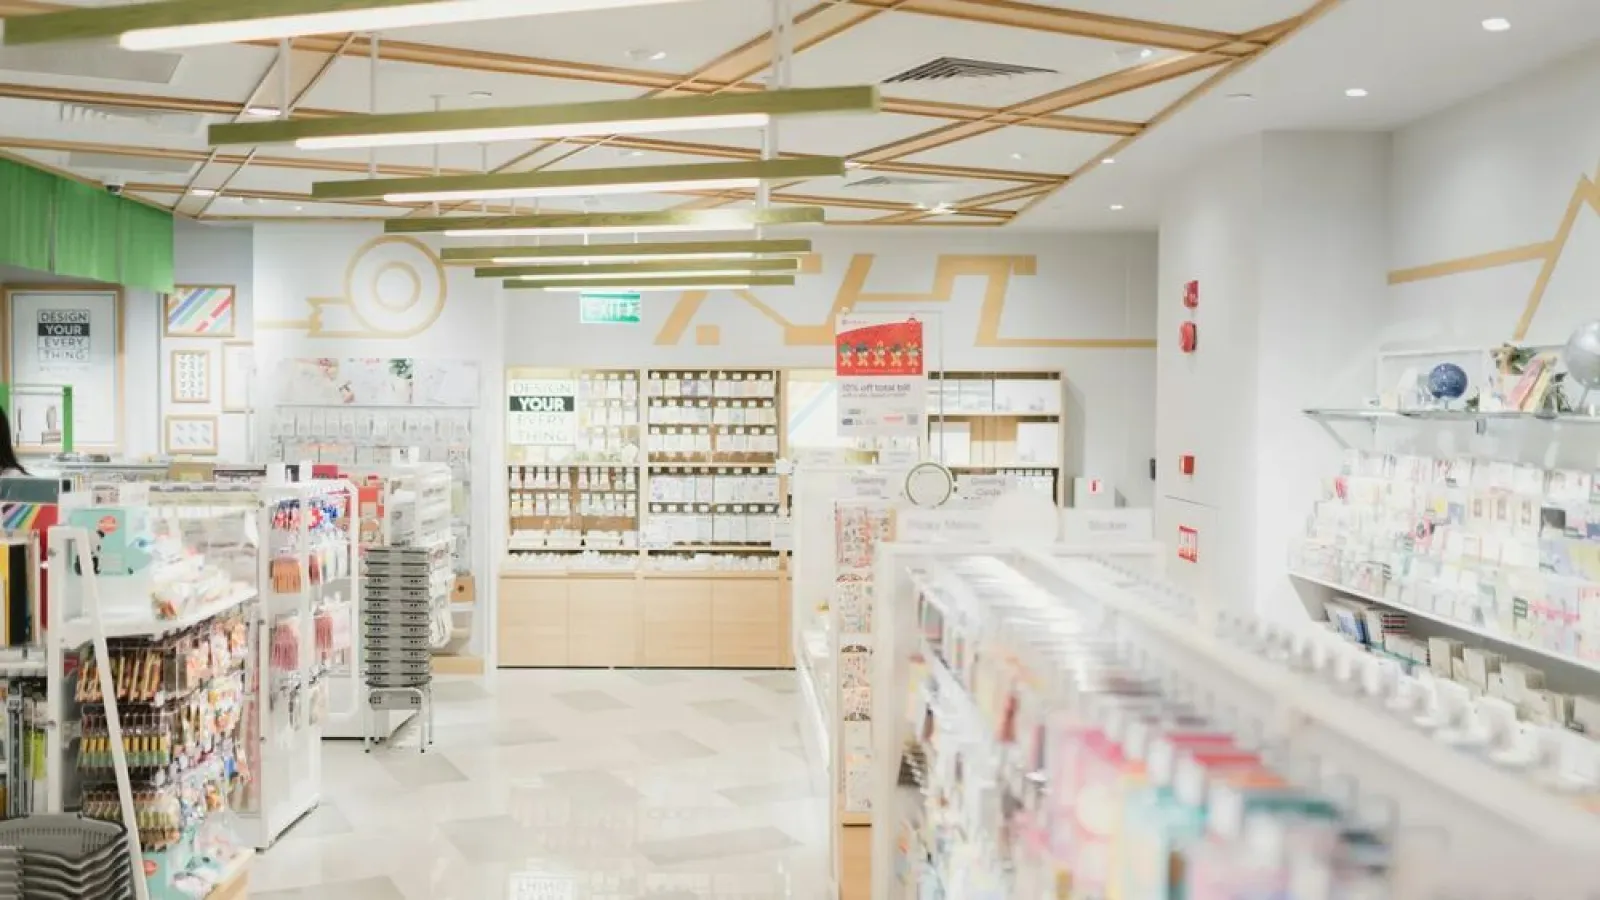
{"points": [[929, 484]]}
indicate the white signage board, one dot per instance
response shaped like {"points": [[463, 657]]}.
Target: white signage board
{"points": [[542, 411], [1086, 526]]}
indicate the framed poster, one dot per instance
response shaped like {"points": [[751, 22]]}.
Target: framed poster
{"points": [[201, 310], [190, 375], [58, 337], [191, 435], [238, 365]]}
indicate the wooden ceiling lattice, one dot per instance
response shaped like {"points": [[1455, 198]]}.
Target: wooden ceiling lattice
{"points": [[1178, 50]]}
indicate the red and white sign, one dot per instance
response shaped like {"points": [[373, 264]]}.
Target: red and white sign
{"points": [[1191, 294], [879, 361], [1188, 544]]}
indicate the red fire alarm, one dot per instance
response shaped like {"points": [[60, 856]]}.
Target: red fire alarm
{"points": [[1188, 544], [1188, 337], [1186, 464], [1191, 294]]}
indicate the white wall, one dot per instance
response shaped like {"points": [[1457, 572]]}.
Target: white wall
{"points": [[1498, 172], [1210, 233], [1044, 292], [206, 254], [1286, 234]]}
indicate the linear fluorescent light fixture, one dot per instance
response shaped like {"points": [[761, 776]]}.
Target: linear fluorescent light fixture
{"points": [[580, 182], [562, 120], [176, 24], [656, 250], [691, 283], [606, 223], [646, 269]]}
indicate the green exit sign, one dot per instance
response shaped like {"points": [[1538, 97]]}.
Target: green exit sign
{"points": [[608, 308]]}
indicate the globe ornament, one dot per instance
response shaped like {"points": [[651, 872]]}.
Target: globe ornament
{"points": [[1582, 355], [1447, 381]]}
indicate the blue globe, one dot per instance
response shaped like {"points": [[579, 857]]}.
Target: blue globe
{"points": [[1447, 381]]}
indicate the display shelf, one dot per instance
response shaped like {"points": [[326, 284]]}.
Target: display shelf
{"points": [[1480, 631], [1377, 416], [1243, 676], [81, 629]]}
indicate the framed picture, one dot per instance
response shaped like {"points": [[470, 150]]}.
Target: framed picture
{"points": [[201, 311], [238, 365], [190, 376], [55, 337], [191, 435]]}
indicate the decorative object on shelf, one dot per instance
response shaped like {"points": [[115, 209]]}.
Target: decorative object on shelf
{"points": [[1447, 381], [191, 435], [190, 375], [1582, 356], [201, 311]]}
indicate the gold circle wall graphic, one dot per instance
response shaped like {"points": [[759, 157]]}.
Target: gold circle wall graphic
{"points": [[395, 286]]}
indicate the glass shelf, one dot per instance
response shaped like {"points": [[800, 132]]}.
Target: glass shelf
{"points": [[1375, 416]]}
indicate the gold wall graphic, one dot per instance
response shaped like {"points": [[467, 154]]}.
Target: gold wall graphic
{"points": [[995, 270], [1587, 193], [394, 287]]}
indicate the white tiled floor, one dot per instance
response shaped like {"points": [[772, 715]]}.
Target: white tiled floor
{"points": [[578, 785]]}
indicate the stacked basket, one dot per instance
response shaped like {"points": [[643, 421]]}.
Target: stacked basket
{"points": [[396, 608], [63, 857]]}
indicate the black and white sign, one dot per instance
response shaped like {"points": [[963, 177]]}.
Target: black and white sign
{"points": [[542, 411], [63, 338]]}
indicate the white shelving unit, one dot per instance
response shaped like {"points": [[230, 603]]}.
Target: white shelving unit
{"points": [[1305, 691]]}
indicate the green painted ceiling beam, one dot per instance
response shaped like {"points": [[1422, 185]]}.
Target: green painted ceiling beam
{"points": [[669, 249], [626, 284], [568, 119], [575, 181], [648, 267], [554, 223]]}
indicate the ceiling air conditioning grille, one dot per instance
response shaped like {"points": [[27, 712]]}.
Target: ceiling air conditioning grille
{"points": [[947, 68], [893, 181], [107, 162]]}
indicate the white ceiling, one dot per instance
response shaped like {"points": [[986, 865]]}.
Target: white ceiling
{"points": [[1414, 56]]}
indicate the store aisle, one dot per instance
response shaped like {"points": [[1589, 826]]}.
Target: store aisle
{"points": [[579, 785]]}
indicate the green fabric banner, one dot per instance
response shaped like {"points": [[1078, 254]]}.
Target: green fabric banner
{"points": [[27, 200], [146, 247], [87, 219]]}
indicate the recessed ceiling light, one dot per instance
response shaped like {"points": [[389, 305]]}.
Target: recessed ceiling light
{"points": [[202, 192], [1019, 156], [1356, 92], [1116, 207], [1146, 52], [262, 112], [481, 95], [298, 207], [1109, 161], [1242, 97], [644, 54], [942, 209], [633, 153], [853, 164], [1497, 24]]}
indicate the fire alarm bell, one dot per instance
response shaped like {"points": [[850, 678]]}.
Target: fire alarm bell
{"points": [[1186, 464], [1191, 294], [1188, 337]]}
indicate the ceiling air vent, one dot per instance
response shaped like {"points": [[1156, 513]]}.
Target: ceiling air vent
{"points": [[894, 181], [149, 165], [948, 68], [126, 116], [105, 63]]}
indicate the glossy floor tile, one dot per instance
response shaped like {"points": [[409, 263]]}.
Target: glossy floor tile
{"points": [[571, 785]]}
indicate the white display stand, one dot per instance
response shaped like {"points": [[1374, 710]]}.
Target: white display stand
{"points": [[1262, 680]]}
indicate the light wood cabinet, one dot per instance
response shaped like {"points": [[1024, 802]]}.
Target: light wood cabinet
{"points": [[745, 622], [533, 622], [603, 622], [785, 617], [677, 622]]}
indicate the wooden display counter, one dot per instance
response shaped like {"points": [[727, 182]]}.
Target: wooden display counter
{"points": [[661, 619]]}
